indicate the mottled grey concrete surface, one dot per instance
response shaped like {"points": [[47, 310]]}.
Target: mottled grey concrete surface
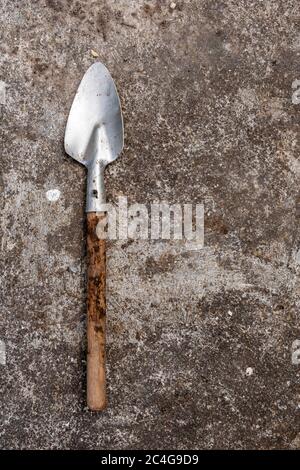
{"points": [[206, 89]]}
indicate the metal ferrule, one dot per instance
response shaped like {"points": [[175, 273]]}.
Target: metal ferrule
{"points": [[95, 196]]}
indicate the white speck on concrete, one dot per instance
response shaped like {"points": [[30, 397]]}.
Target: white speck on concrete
{"points": [[53, 195], [173, 5], [230, 313], [227, 47], [2, 353], [3, 86], [249, 371], [296, 84]]}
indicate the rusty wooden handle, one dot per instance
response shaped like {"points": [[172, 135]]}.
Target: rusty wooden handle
{"points": [[96, 312]]}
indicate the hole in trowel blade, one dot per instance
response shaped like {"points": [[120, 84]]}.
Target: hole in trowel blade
{"points": [[95, 193]]}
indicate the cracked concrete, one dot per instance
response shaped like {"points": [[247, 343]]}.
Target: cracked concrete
{"points": [[206, 89]]}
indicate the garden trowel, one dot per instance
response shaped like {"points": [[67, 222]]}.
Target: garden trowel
{"points": [[94, 137]]}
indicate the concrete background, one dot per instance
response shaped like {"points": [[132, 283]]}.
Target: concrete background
{"points": [[199, 345]]}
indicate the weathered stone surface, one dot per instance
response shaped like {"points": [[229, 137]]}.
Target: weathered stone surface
{"points": [[199, 345]]}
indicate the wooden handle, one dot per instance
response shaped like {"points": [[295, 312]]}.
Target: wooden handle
{"points": [[96, 313]]}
